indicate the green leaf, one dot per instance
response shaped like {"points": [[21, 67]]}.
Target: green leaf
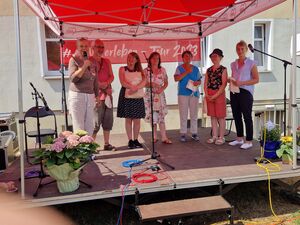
{"points": [[50, 162], [61, 161], [60, 154], [69, 153]]}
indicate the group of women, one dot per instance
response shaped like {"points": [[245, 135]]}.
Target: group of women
{"points": [[135, 95]]}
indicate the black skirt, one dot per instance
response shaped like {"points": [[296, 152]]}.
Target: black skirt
{"points": [[133, 108]]}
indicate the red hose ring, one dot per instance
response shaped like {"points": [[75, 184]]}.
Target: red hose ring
{"points": [[151, 178]]}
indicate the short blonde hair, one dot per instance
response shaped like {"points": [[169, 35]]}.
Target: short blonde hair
{"points": [[242, 43], [80, 40]]}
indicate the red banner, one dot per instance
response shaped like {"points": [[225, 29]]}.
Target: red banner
{"points": [[117, 51]]}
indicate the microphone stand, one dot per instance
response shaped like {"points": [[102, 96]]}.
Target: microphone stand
{"points": [[41, 174], [63, 97], [285, 63], [154, 154]]}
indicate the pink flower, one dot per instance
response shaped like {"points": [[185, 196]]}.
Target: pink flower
{"points": [[73, 137], [65, 134], [58, 146], [72, 143], [61, 139], [86, 139]]}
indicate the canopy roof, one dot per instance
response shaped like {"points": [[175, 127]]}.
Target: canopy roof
{"points": [[144, 19]]}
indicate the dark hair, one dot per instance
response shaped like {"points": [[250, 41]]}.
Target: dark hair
{"points": [[138, 66], [151, 56], [186, 52]]}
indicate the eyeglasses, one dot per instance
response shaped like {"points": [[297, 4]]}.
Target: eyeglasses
{"points": [[83, 46]]}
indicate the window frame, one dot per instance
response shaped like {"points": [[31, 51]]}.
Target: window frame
{"points": [[268, 37], [43, 49], [206, 48]]}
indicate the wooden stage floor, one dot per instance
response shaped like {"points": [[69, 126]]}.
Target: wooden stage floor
{"points": [[197, 164]]}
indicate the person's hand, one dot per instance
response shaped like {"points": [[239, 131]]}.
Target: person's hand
{"points": [[109, 91], [103, 85], [10, 186], [210, 98], [238, 83], [159, 91], [213, 98], [87, 63], [189, 70], [132, 90], [98, 102], [197, 83], [207, 97], [155, 85]]}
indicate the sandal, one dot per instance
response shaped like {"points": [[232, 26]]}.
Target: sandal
{"points": [[220, 141], [167, 141], [155, 140], [109, 147], [211, 140]]}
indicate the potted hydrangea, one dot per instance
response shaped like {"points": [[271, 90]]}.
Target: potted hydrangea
{"points": [[64, 157], [270, 140]]}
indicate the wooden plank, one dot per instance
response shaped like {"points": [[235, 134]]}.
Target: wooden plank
{"points": [[180, 208]]}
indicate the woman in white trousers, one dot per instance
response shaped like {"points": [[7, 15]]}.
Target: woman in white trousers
{"points": [[83, 88]]}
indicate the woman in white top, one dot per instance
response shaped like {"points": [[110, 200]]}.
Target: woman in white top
{"points": [[244, 76], [131, 103]]}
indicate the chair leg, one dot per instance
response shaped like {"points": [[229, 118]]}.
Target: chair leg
{"points": [[229, 130]]}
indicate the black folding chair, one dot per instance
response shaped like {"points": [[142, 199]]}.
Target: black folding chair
{"points": [[49, 128]]}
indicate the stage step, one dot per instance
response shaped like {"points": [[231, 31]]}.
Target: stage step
{"points": [[186, 207]]}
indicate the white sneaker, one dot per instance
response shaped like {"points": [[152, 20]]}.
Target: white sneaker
{"points": [[246, 146], [236, 142]]}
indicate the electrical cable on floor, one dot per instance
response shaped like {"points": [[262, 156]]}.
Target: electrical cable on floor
{"points": [[124, 189], [269, 168]]}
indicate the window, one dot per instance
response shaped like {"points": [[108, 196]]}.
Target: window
{"points": [[261, 42], [205, 49], [51, 51]]}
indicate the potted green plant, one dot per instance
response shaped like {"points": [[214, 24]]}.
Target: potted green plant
{"points": [[286, 150], [270, 140], [64, 157]]}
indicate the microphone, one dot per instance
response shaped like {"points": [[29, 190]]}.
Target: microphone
{"points": [[145, 56], [251, 48], [44, 101], [85, 56]]}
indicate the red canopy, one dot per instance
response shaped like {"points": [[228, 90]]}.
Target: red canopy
{"points": [[144, 18]]}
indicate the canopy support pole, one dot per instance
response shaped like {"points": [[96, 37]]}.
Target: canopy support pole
{"points": [[20, 94], [293, 79]]}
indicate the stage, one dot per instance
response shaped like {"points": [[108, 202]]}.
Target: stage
{"points": [[197, 164]]}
